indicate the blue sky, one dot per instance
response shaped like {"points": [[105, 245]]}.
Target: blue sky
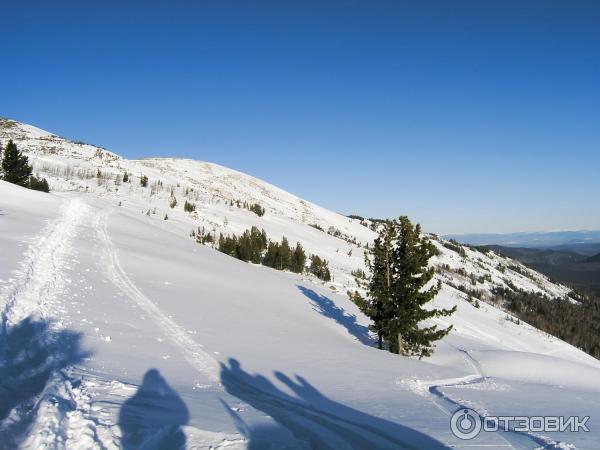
{"points": [[467, 116]]}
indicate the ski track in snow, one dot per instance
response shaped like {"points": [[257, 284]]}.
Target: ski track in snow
{"points": [[193, 352], [60, 413], [41, 278], [435, 389], [62, 416]]}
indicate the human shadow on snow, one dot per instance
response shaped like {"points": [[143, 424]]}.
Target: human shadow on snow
{"points": [[31, 354], [325, 306], [311, 419], [153, 417]]}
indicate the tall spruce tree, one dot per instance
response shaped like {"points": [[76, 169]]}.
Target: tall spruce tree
{"points": [[15, 165], [378, 304], [298, 259], [400, 287], [285, 255], [411, 276]]}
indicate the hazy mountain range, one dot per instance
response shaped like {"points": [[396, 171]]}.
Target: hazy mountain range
{"points": [[576, 240]]}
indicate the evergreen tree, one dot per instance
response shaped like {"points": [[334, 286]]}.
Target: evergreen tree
{"points": [[320, 268], [285, 255], [189, 207], [125, 177], [271, 257], [298, 259], [38, 184], [15, 165], [398, 289], [143, 181], [377, 305], [228, 244]]}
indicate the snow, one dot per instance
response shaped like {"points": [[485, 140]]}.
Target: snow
{"points": [[235, 355]]}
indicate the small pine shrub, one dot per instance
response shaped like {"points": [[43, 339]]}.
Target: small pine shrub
{"points": [[257, 209], [320, 268], [189, 207], [38, 184]]}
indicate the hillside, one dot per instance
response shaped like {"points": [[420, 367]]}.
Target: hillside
{"points": [[568, 267], [128, 321], [593, 259]]}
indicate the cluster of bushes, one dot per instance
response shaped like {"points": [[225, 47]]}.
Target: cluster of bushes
{"points": [[15, 169], [254, 246], [472, 294], [257, 209], [333, 231], [474, 278], [248, 247], [520, 270], [320, 268], [202, 236], [455, 247], [359, 273], [189, 207], [254, 207], [281, 256], [485, 277], [371, 223], [38, 184], [361, 219], [576, 323]]}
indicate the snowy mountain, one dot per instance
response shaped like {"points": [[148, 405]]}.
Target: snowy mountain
{"points": [[133, 327]]}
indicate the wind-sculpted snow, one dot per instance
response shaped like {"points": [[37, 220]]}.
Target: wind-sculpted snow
{"points": [[176, 338]]}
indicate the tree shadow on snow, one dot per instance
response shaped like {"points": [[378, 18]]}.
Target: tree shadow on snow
{"points": [[328, 308], [153, 417], [31, 353], [309, 419]]}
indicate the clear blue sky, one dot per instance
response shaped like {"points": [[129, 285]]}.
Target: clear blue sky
{"points": [[473, 116]]}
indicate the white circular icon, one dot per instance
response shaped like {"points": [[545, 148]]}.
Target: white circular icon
{"points": [[465, 424]]}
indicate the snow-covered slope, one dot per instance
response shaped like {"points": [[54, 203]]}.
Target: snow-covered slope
{"points": [[74, 167], [133, 327]]}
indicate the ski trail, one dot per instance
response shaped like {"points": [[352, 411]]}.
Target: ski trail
{"points": [[58, 417], [41, 279], [511, 437], [192, 351]]}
